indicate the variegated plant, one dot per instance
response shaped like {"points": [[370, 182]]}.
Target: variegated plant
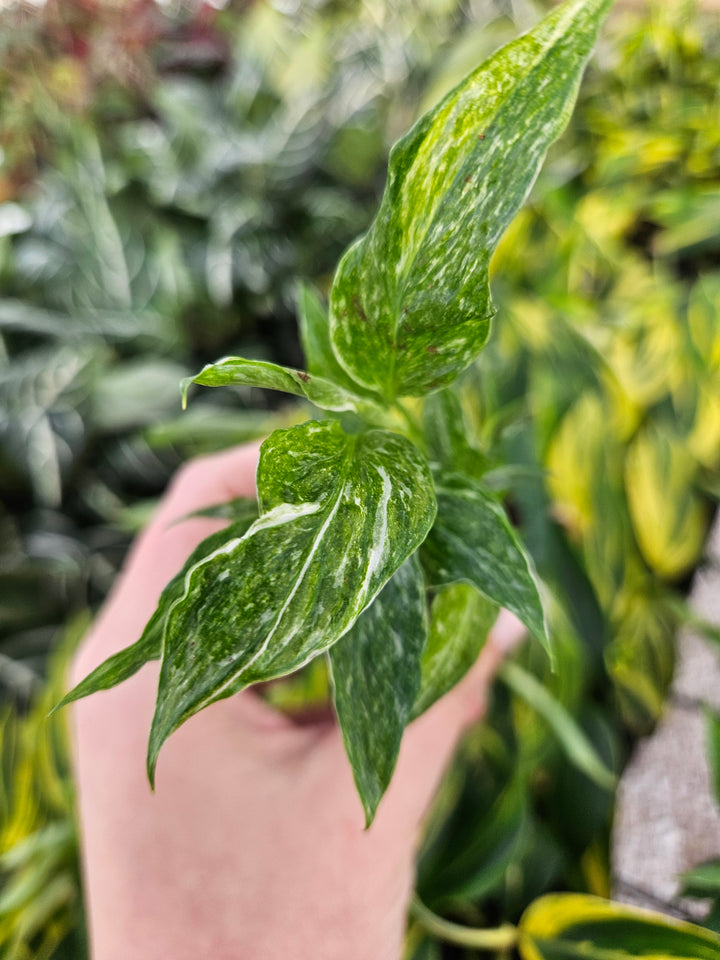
{"points": [[375, 540]]}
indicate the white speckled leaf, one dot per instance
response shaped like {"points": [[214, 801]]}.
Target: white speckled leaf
{"points": [[473, 541], [460, 618], [339, 514], [410, 303], [376, 678], [122, 665], [236, 371]]}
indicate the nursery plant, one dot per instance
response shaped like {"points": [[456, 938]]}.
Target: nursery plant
{"points": [[374, 525], [378, 539]]}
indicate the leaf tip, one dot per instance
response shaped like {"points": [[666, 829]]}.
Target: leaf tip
{"points": [[184, 387]]}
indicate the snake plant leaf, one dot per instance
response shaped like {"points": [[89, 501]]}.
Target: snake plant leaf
{"points": [[579, 927], [237, 371], [122, 665], [314, 325], [339, 513], [460, 619], [410, 304], [376, 677], [473, 542]]}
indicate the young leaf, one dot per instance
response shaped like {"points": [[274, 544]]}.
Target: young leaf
{"points": [[315, 338], [473, 541], [236, 371], [376, 677], [460, 619], [578, 749], [574, 926], [339, 514], [410, 303], [121, 666]]}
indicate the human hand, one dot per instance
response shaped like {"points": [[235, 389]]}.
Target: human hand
{"points": [[252, 847]]}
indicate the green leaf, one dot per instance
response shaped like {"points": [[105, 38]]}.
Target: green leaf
{"points": [[315, 338], [712, 734], [446, 432], [702, 881], [472, 541], [410, 305], [569, 926], [121, 666], [236, 371], [460, 619], [339, 514], [578, 749], [376, 678]]}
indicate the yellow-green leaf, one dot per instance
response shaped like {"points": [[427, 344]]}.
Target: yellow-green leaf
{"points": [[580, 927]]}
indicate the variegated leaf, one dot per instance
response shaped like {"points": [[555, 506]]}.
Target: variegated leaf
{"points": [[236, 371], [473, 542], [122, 665], [339, 514], [460, 619], [410, 302], [376, 678], [573, 926]]}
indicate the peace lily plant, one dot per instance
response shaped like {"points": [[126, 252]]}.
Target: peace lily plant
{"points": [[375, 540]]}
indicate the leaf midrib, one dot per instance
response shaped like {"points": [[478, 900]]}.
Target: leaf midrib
{"points": [[217, 693]]}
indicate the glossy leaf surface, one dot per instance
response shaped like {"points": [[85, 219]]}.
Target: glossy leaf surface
{"points": [[460, 618], [376, 678], [339, 514], [236, 371], [473, 542], [410, 303], [124, 664], [579, 927]]}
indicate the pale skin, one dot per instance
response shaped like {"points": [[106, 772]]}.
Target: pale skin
{"points": [[252, 847]]}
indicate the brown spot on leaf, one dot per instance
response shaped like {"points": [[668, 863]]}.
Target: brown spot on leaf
{"points": [[303, 376], [432, 349], [359, 309]]}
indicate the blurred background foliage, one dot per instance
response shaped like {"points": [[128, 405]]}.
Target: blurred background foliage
{"points": [[167, 175]]}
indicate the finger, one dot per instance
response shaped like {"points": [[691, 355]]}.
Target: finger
{"points": [[430, 741]]}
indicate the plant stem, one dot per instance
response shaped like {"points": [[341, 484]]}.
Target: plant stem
{"points": [[497, 938]]}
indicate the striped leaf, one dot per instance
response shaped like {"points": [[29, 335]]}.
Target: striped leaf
{"points": [[410, 302], [123, 665], [339, 514], [473, 542], [579, 927], [236, 371], [376, 678]]}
